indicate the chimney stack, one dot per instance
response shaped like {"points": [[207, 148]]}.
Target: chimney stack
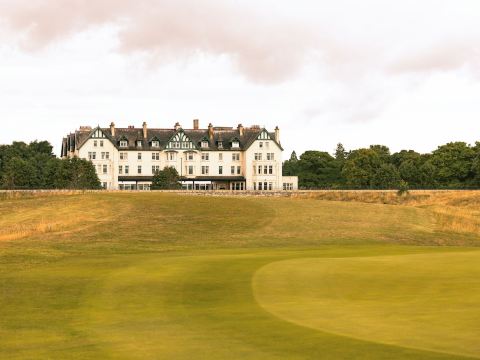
{"points": [[177, 126], [112, 128], [277, 134], [241, 129], [210, 131], [145, 135]]}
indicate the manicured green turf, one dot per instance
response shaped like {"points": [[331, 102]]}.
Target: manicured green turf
{"points": [[155, 276]]}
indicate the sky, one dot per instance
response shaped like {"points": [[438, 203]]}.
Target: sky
{"points": [[405, 74]]}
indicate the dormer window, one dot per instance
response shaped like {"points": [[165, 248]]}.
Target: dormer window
{"points": [[204, 144], [139, 143], [155, 144], [123, 143], [235, 144], [220, 145]]}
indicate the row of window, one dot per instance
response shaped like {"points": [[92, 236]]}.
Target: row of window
{"points": [[259, 156], [265, 169], [93, 155], [287, 186], [263, 186], [172, 156], [261, 143], [174, 144], [96, 142], [190, 169]]}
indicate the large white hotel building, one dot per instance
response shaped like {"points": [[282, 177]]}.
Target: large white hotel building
{"points": [[216, 158]]}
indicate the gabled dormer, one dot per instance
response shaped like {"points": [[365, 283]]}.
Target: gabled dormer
{"points": [[123, 142], [264, 135], [155, 142], [98, 134], [235, 143], [205, 143], [180, 141]]}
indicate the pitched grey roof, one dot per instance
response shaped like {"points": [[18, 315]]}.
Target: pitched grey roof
{"points": [[223, 135]]}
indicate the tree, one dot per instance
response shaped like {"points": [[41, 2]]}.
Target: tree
{"points": [[318, 169], [361, 167], [293, 156], [340, 153], [386, 177], [166, 179], [454, 165]]}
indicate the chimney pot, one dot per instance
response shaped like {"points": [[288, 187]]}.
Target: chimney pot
{"points": [[277, 134], [195, 124], [210, 131], [145, 135], [177, 126], [241, 129], [112, 128]]}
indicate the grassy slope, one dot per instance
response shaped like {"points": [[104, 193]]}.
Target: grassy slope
{"points": [[164, 276]]}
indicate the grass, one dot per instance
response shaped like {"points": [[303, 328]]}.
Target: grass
{"points": [[156, 276]]}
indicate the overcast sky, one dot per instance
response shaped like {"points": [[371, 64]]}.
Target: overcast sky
{"points": [[401, 73]]}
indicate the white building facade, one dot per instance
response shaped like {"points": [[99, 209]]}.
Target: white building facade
{"points": [[216, 158]]}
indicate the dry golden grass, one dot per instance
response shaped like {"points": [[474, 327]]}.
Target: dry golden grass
{"points": [[456, 211]]}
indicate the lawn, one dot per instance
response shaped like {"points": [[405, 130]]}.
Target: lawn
{"points": [[165, 276]]}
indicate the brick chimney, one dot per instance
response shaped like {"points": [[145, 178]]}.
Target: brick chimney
{"points": [[241, 129], [177, 126], [277, 134], [195, 124], [112, 128], [210, 131], [145, 135]]}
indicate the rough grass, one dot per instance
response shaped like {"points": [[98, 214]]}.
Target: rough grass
{"points": [[154, 276]]}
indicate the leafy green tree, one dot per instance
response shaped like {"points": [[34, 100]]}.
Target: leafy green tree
{"points": [[453, 162], [166, 179], [340, 153], [386, 177], [18, 174], [361, 167], [318, 169]]}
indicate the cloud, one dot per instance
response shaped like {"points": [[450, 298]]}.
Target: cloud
{"points": [[264, 50]]}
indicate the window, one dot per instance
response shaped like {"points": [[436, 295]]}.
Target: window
{"points": [[239, 170], [270, 156], [204, 170], [220, 170], [265, 170], [105, 169], [190, 156], [155, 156], [104, 185], [155, 144], [259, 169], [171, 156], [270, 186], [101, 143], [258, 156], [270, 169], [205, 156], [288, 186], [220, 145], [204, 144], [123, 156], [139, 169], [127, 169], [99, 169], [120, 170], [260, 186], [139, 143], [107, 155], [232, 170], [139, 156], [235, 157], [190, 169], [260, 144], [123, 143], [95, 143], [175, 145], [103, 156], [264, 186], [235, 144], [155, 169], [92, 155], [220, 157], [267, 144]]}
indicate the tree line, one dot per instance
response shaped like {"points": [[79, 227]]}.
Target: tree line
{"points": [[455, 165], [34, 166]]}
